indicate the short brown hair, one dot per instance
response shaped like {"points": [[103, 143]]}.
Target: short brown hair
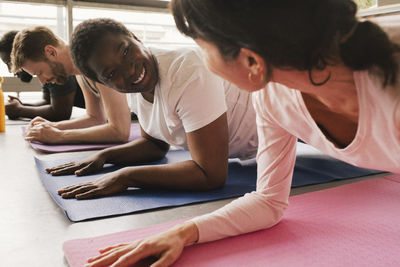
{"points": [[29, 45]]}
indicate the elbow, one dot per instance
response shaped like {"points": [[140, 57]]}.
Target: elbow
{"points": [[58, 114], [61, 117], [277, 211], [277, 217], [215, 182], [159, 154], [214, 176], [121, 135]]}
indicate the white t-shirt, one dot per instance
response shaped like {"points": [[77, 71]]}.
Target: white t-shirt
{"points": [[189, 97], [282, 117]]}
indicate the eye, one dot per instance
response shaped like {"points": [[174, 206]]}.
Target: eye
{"points": [[125, 51], [110, 75]]}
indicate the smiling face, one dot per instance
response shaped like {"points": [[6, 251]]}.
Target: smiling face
{"points": [[124, 64], [47, 71]]}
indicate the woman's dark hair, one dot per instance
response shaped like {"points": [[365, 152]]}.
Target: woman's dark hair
{"points": [[6, 44], [291, 34], [86, 36]]}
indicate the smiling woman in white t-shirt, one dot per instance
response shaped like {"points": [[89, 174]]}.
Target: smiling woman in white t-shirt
{"points": [[178, 102]]}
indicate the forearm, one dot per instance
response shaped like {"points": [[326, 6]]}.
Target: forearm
{"points": [[265, 207], [46, 111], [79, 123], [250, 213], [105, 133], [37, 104], [137, 151], [185, 175]]}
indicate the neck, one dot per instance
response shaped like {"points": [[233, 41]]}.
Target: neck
{"points": [[66, 58], [339, 89]]}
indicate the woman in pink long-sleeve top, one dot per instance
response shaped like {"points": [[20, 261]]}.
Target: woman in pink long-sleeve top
{"points": [[319, 75]]}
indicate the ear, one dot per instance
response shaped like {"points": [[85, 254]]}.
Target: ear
{"points": [[50, 52], [252, 61]]}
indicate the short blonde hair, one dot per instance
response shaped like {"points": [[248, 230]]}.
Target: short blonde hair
{"points": [[29, 44]]}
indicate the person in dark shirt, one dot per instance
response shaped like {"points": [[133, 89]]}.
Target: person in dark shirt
{"points": [[57, 101]]}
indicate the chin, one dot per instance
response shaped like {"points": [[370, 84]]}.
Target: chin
{"points": [[125, 91]]}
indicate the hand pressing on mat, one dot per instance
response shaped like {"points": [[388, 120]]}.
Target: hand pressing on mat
{"points": [[80, 168], [164, 248], [13, 108], [106, 185], [38, 120], [45, 133]]}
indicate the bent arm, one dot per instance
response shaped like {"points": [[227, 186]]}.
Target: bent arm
{"points": [[144, 149], [264, 207], [60, 108], [45, 100], [107, 119], [207, 170]]}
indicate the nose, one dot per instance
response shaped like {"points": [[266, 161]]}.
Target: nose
{"points": [[42, 79], [128, 69], [128, 72], [9, 67]]}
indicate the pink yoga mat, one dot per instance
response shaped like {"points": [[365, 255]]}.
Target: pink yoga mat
{"points": [[47, 148], [351, 225]]}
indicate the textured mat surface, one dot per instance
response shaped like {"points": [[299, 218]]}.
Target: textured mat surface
{"points": [[48, 148], [311, 167], [351, 225]]}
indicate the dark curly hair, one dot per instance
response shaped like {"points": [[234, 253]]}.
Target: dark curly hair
{"points": [[291, 34], [86, 36], [6, 44]]}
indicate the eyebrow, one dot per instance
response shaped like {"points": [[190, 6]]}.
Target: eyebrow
{"points": [[119, 47]]}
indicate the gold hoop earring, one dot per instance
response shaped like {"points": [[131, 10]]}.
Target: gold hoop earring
{"points": [[250, 77]]}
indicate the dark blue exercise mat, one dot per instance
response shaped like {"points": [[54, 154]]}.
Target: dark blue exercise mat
{"points": [[311, 167], [314, 167]]}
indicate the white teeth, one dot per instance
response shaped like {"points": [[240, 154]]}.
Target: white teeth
{"points": [[141, 76]]}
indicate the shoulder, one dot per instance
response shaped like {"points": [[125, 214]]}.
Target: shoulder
{"points": [[182, 69], [179, 62], [274, 94], [275, 100]]}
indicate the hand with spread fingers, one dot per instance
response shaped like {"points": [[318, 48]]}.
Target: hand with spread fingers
{"points": [[80, 168], [106, 185], [44, 132], [165, 248]]}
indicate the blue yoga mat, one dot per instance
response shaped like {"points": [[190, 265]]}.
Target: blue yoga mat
{"points": [[311, 167]]}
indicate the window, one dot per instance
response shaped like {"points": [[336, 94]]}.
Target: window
{"points": [[154, 27], [365, 3], [17, 16]]}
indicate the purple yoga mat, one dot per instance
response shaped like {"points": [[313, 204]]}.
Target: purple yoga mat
{"points": [[48, 148]]}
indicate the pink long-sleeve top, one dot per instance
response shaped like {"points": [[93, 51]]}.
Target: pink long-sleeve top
{"points": [[282, 117]]}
